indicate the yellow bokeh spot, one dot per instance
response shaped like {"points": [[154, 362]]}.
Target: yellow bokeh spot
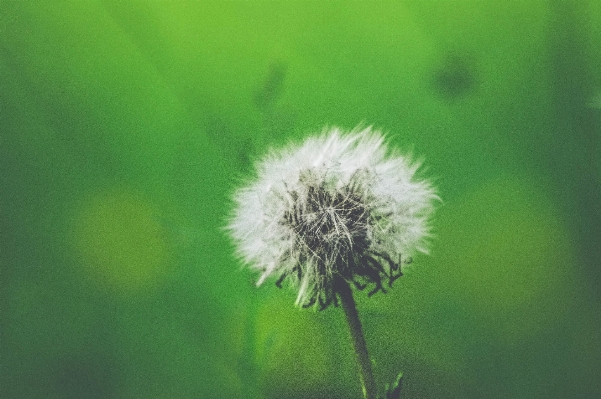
{"points": [[120, 241], [508, 258], [291, 349]]}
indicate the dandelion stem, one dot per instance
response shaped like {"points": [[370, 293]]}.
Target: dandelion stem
{"points": [[366, 374]]}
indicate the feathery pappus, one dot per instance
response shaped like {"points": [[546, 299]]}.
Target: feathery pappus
{"points": [[340, 205]]}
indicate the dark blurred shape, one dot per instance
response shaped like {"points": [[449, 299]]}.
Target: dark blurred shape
{"points": [[234, 149], [277, 119], [272, 86], [394, 391], [574, 146], [456, 78], [86, 376]]}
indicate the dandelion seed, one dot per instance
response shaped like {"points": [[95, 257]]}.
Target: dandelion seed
{"points": [[338, 206]]}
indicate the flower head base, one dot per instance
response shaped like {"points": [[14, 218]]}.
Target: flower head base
{"points": [[339, 207]]}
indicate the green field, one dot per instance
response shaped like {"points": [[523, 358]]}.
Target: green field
{"points": [[125, 127]]}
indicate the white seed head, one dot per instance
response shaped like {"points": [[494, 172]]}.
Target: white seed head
{"points": [[338, 206]]}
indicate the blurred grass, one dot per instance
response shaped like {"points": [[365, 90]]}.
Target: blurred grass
{"points": [[124, 126]]}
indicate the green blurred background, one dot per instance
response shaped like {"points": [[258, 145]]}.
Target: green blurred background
{"points": [[126, 125]]}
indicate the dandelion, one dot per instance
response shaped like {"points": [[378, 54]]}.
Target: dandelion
{"points": [[339, 206], [340, 210]]}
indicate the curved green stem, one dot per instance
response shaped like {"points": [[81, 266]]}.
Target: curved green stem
{"points": [[366, 374]]}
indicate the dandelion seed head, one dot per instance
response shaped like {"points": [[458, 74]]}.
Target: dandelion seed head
{"points": [[340, 205]]}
